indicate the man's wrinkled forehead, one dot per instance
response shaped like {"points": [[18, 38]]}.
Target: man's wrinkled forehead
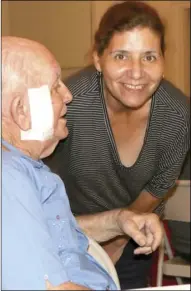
{"points": [[55, 66], [50, 73]]}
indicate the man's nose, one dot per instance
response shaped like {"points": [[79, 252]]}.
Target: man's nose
{"points": [[67, 95]]}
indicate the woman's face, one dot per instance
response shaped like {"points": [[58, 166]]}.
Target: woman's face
{"points": [[132, 66]]}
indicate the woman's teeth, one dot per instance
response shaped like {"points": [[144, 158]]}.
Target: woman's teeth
{"points": [[137, 87]]}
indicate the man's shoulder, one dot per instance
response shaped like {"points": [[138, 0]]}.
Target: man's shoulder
{"points": [[19, 188], [14, 170], [11, 163]]}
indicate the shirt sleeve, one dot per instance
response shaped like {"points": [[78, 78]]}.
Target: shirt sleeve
{"points": [[170, 164], [28, 254]]}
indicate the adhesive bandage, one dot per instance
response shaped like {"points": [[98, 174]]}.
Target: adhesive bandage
{"points": [[41, 113]]}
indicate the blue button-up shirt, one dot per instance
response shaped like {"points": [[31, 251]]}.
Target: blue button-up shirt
{"points": [[40, 236]]}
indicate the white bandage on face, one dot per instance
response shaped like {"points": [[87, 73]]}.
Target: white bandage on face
{"points": [[41, 113]]}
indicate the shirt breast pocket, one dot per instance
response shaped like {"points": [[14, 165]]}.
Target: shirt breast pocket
{"points": [[60, 225]]}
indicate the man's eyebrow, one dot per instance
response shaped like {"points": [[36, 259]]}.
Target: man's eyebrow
{"points": [[58, 75]]}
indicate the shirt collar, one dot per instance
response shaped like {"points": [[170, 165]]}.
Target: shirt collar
{"points": [[11, 148]]}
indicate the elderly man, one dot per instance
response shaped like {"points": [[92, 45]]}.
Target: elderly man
{"points": [[42, 245]]}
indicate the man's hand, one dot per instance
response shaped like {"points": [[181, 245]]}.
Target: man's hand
{"points": [[144, 228], [65, 286]]}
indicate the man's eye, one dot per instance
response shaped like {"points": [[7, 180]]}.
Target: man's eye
{"points": [[57, 87], [149, 58]]}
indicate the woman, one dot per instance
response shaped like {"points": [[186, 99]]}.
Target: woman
{"points": [[129, 129]]}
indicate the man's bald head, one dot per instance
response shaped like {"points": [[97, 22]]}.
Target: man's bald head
{"points": [[25, 64], [32, 120]]}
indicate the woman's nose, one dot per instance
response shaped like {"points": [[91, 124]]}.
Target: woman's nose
{"points": [[136, 69]]}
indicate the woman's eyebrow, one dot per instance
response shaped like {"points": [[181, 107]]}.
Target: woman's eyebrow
{"points": [[150, 52], [119, 51]]}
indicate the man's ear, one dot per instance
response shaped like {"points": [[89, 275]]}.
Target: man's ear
{"points": [[20, 113], [96, 60]]}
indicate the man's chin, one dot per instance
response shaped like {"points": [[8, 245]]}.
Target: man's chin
{"points": [[64, 135], [53, 143], [49, 150]]}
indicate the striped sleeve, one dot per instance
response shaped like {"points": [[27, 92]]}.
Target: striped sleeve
{"points": [[170, 164]]}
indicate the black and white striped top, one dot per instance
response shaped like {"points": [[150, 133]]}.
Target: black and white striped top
{"points": [[88, 161]]}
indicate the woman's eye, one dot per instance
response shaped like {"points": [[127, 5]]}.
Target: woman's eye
{"points": [[120, 57], [149, 58]]}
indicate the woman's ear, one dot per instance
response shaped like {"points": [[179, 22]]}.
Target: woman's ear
{"points": [[20, 113], [96, 60]]}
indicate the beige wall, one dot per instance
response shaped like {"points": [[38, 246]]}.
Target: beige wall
{"points": [[98, 9], [5, 18], [175, 15], [63, 26]]}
